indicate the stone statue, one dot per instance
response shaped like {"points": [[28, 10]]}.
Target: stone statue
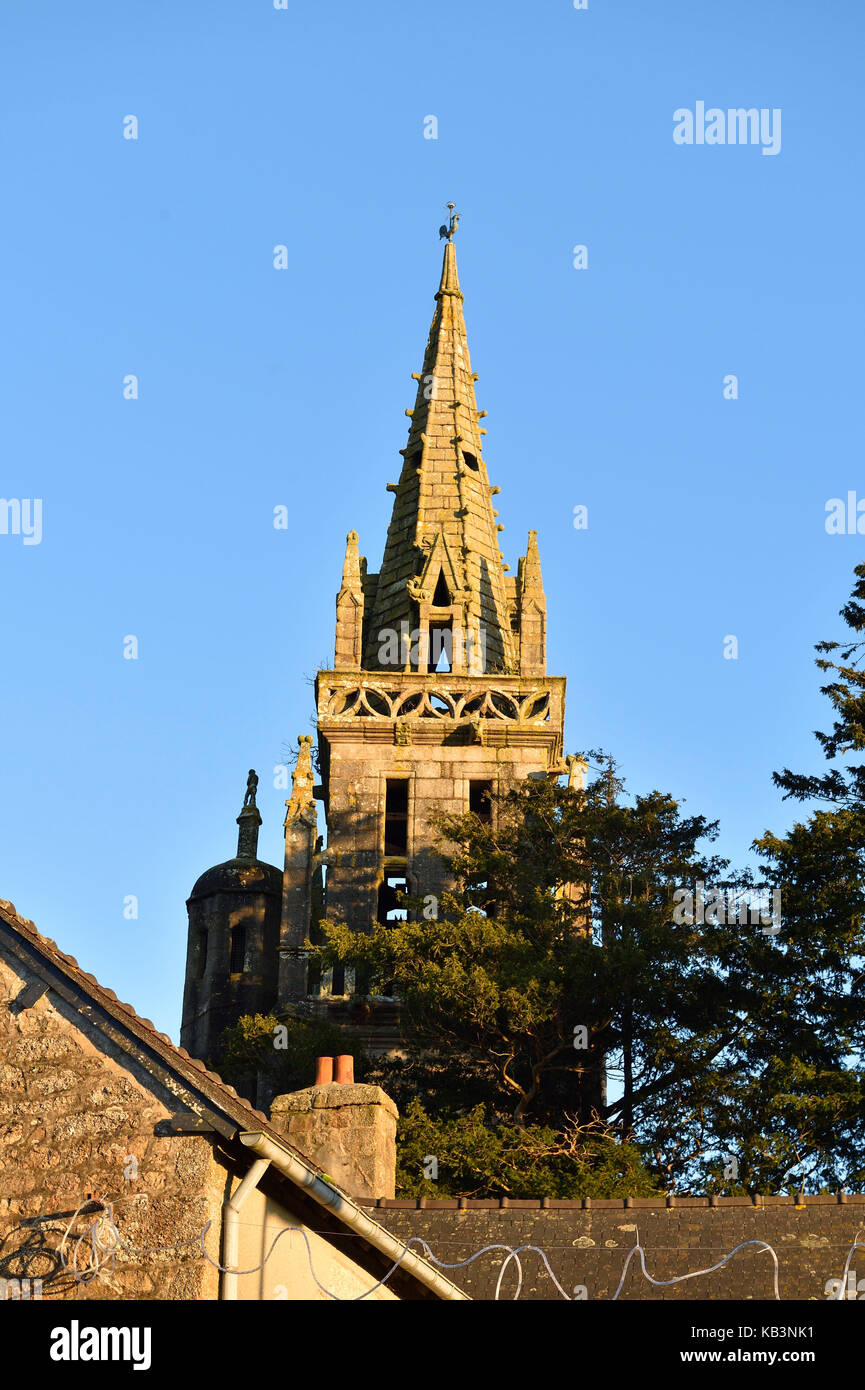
{"points": [[577, 769], [251, 788]]}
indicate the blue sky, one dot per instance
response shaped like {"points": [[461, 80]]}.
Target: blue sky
{"points": [[259, 387]]}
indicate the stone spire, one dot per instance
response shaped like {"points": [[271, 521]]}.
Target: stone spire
{"points": [[349, 609], [532, 612], [249, 821], [442, 550]]}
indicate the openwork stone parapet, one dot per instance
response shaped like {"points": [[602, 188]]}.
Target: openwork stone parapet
{"points": [[343, 698]]}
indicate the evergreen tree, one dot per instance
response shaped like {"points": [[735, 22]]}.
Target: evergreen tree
{"points": [[806, 1080], [559, 955]]}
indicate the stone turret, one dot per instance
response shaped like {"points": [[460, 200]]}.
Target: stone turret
{"points": [[349, 610], [231, 957], [532, 612]]}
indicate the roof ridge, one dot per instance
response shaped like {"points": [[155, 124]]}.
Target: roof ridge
{"points": [[85, 979]]}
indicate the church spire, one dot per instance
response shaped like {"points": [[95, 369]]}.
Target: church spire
{"points": [[442, 568]]}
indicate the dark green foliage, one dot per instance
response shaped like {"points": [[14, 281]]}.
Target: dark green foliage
{"points": [[476, 1158], [252, 1063], [580, 933], [843, 786]]}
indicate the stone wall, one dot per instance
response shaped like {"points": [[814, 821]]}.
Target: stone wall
{"points": [[588, 1247], [77, 1118]]}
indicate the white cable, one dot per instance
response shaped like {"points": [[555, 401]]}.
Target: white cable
{"points": [[842, 1290], [697, 1272], [513, 1256]]}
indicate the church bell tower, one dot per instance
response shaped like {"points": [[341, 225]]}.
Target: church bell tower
{"points": [[438, 694], [438, 698]]}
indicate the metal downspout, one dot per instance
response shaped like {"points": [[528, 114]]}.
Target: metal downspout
{"points": [[231, 1225]]}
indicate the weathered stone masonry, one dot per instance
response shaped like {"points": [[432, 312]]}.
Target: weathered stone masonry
{"points": [[72, 1113]]}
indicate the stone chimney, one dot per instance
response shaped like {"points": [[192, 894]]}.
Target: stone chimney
{"points": [[347, 1130]]}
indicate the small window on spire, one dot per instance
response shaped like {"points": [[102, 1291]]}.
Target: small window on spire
{"points": [[470, 461], [441, 597]]}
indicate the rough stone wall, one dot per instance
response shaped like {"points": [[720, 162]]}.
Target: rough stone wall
{"points": [[588, 1248], [71, 1118]]}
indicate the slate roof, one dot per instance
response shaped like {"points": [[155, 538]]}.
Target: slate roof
{"points": [[586, 1243]]}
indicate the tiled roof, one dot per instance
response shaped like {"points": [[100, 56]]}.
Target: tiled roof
{"points": [[799, 1202], [211, 1086]]}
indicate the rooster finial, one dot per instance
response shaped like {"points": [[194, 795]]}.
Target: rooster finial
{"points": [[447, 229]]}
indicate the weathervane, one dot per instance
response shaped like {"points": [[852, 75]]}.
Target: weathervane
{"points": [[449, 229]]}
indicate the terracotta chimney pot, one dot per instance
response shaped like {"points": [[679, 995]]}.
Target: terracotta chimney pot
{"points": [[323, 1071]]}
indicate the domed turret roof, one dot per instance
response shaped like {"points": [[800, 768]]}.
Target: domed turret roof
{"points": [[239, 876], [245, 873]]}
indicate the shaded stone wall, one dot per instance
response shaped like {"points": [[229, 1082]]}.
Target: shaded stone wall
{"points": [[588, 1247], [214, 999], [71, 1119]]}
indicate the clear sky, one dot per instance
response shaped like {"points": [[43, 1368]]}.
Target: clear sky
{"points": [[260, 387]]}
